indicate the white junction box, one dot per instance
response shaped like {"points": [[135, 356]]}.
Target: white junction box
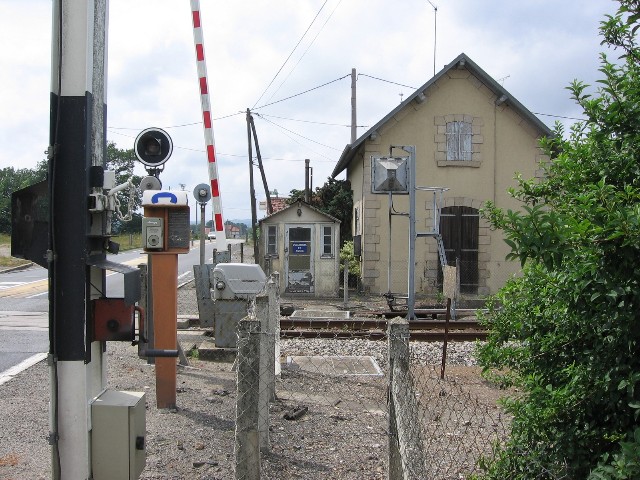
{"points": [[118, 435], [234, 281]]}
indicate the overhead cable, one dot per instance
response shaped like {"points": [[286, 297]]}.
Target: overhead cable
{"points": [[295, 133], [294, 49], [305, 52], [386, 81], [301, 93]]}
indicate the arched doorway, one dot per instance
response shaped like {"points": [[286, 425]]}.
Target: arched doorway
{"points": [[459, 227]]}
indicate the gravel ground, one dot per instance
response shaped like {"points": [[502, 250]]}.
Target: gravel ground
{"points": [[342, 433]]}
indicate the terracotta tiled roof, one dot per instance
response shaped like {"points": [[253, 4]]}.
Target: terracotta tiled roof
{"points": [[278, 203]]}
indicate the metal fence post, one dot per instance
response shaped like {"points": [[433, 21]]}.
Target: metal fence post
{"points": [[247, 401], [345, 280]]}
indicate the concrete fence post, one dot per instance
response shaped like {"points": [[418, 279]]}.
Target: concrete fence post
{"points": [[406, 445], [396, 329], [275, 305], [267, 377], [247, 454]]}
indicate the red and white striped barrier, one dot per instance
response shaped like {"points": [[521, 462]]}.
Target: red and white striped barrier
{"points": [[216, 202]]}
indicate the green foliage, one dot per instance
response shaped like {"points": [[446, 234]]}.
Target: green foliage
{"points": [[567, 333], [346, 254], [11, 180], [333, 198], [622, 465]]}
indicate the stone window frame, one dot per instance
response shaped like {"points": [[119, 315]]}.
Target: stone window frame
{"points": [[477, 140]]}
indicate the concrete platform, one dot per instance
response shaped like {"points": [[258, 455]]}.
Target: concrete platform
{"points": [[207, 350]]}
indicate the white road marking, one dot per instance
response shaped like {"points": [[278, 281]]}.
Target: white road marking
{"points": [[5, 285], [23, 365]]}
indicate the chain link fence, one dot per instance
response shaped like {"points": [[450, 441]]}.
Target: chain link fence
{"points": [[351, 407], [317, 403]]}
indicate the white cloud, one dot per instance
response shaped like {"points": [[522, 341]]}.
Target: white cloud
{"points": [[538, 46]]}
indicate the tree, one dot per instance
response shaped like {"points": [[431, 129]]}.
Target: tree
{"points": [[11, 180], [567, 333], [333, 198], [123, 163]]}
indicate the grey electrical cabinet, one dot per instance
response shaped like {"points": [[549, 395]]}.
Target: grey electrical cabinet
{"points": [[118, 421]]}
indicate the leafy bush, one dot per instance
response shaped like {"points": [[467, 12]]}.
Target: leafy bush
{"points": [[567, 333]]}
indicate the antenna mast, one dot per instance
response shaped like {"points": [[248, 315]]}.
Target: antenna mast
{"points": [[435, 31]]}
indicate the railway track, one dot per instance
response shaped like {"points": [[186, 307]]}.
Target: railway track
{"points": [[375, 329]]}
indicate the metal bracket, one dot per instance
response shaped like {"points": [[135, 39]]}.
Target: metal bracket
{"points": [[131, 277]]}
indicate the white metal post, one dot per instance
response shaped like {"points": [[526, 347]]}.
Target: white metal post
{"points": [[78, 371]]}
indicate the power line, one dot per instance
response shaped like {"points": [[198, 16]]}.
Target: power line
{"points": [[386, 81], [199, 150], [295, 133], [305, 52], [311, 121], [301, 93], [294, 49], [181, 125], [559, 116]]}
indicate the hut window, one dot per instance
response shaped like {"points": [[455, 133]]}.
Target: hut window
{"points": [[272, 240], [327, 241]]}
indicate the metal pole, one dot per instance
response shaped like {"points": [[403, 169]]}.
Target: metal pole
{"points": [[354, 127], [202, 207], [389, 264], [306, 181], [77, 147], [412, 232]]}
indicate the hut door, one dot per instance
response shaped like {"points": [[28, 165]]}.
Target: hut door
{"points": [[299, 259], [459, 227]]}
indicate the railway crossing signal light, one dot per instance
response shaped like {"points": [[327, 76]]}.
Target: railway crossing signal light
{"points": [[153, 147]]}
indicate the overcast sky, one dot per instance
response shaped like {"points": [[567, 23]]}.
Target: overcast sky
{"points": [[535, 48]]}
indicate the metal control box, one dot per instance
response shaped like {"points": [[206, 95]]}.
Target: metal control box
{"points": [[234, 286], [153, 233], [237, 281], [118, 435]]}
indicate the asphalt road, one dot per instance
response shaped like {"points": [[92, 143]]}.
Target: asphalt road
{"points": [[24, 305]]}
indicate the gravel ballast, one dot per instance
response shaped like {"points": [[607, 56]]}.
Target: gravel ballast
{"points": [[342, 434]]}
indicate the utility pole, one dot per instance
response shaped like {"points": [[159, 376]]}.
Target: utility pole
{"points": [[76, 236], [260, 166], [354, 128], [307, 188], [252, 193]]}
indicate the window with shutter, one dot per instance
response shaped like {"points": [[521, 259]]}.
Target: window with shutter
{"points": [[459, 145]]}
